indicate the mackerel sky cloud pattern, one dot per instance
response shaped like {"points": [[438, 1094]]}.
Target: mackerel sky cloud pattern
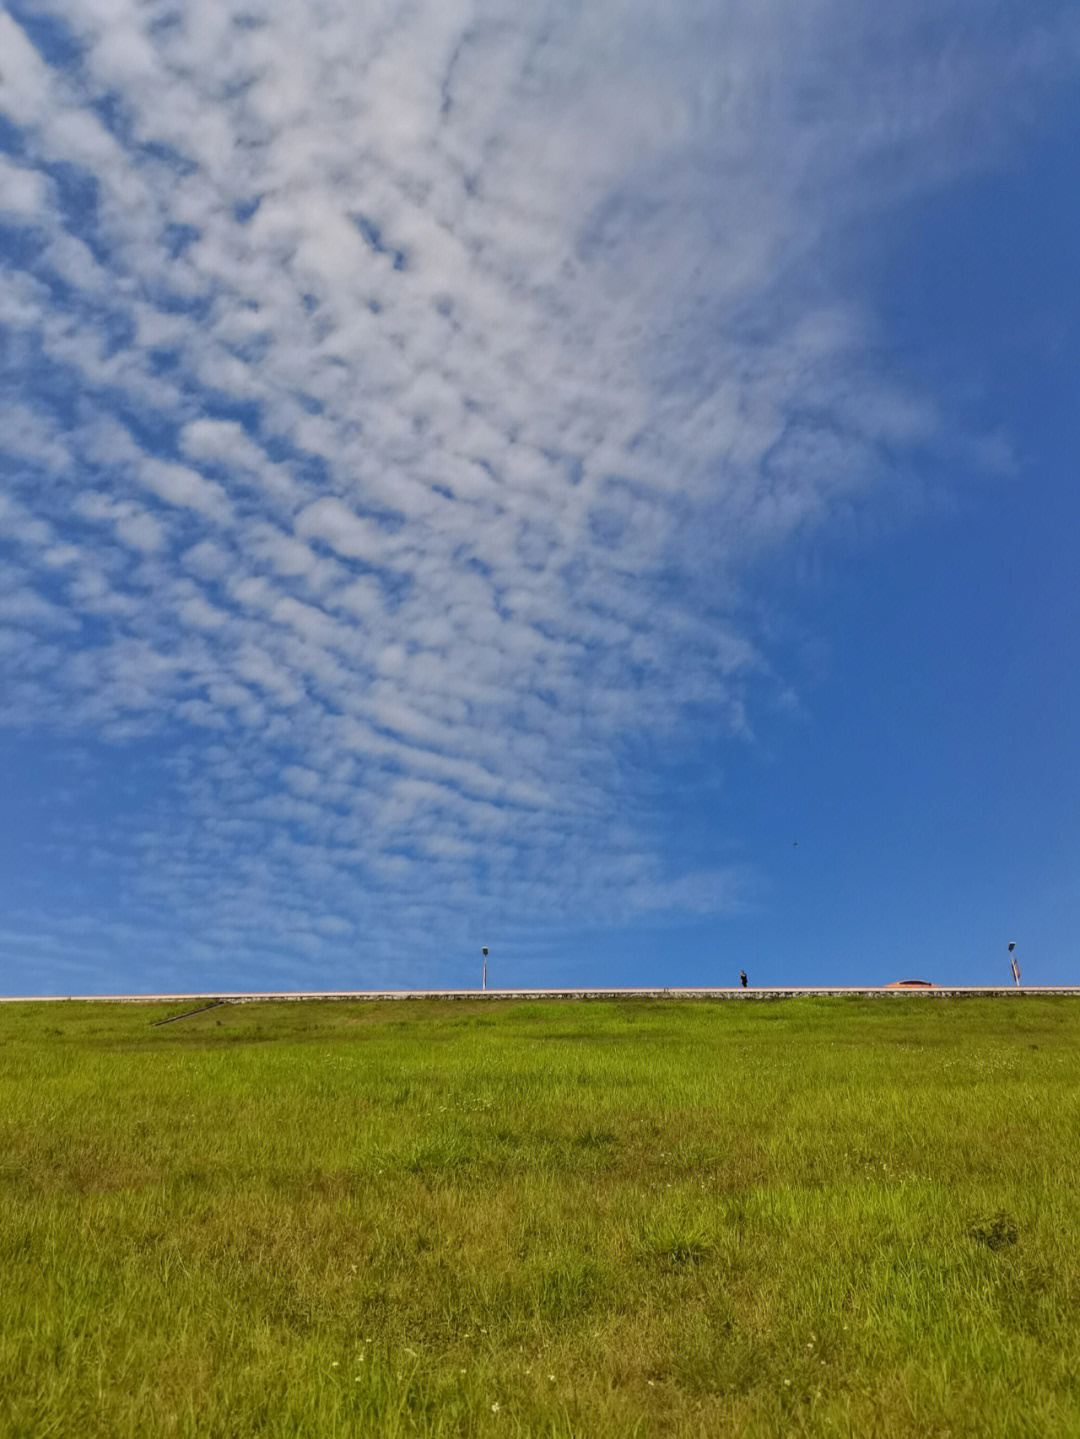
{"points": [[397, 401]]}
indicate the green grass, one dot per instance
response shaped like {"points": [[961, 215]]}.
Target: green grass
{"points": [[849, 1217]]}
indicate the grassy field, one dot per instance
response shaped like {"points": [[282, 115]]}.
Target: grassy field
{"points": [[808, 1217]]}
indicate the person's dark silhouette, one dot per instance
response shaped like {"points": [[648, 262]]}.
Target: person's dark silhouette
{"points": [[742, 977]]}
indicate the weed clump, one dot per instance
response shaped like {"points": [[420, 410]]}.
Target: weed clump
{"points": [[998, 1232]]}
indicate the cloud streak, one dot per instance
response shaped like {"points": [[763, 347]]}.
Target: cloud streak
{"points": [[395, 399]]}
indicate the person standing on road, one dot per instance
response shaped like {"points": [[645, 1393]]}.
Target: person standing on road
{"points": [[742, 977]]}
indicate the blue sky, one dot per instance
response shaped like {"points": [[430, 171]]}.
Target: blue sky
{"points": [[596, 483]]}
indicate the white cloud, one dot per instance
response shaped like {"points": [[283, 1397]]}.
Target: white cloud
{"points": [[347, 533], [186, 488], [24, 193], [136, 527]]}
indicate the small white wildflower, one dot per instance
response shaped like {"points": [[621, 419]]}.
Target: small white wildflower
{"points": [[495, 1407], [787, 1381]]}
